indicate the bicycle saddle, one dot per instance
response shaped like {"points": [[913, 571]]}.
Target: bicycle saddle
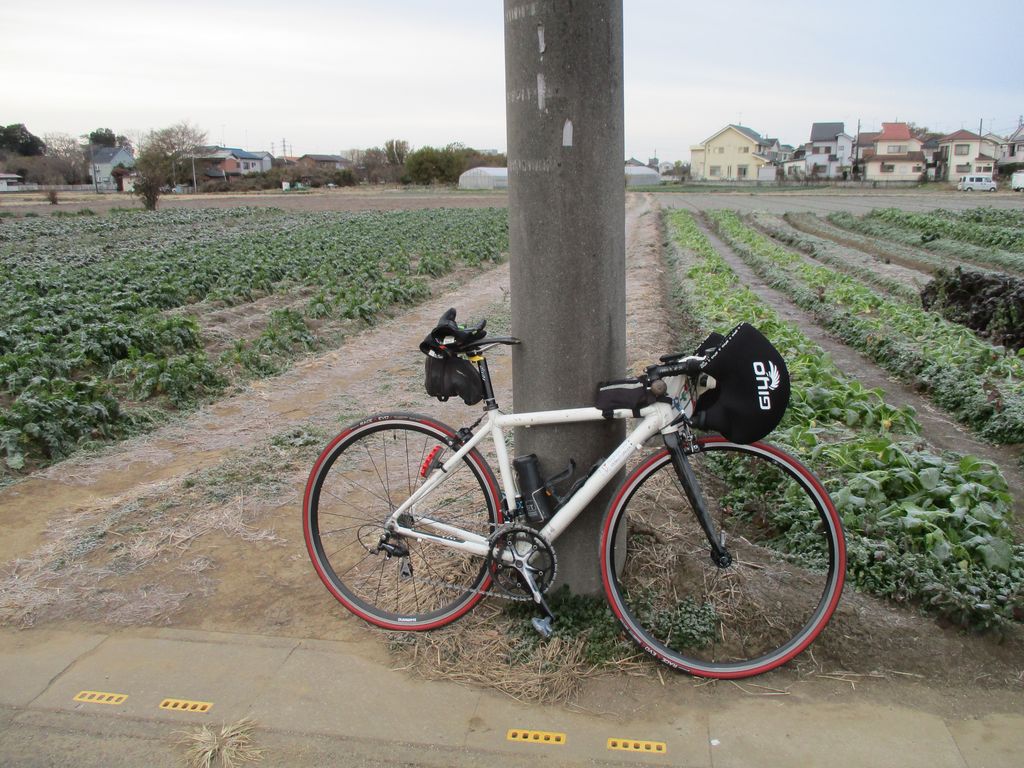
{"points": [[450, 338]]}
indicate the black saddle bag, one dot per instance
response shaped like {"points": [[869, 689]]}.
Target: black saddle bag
{"points": [[448, 376]]}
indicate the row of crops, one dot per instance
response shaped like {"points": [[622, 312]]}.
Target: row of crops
{"points": [[980, 384], [985, 237], [927, 527], [96, 324]]}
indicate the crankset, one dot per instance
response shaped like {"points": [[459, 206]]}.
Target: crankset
{"points": [[523, 566]]}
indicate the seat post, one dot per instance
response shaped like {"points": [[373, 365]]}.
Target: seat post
{"points": [[490, 404]]}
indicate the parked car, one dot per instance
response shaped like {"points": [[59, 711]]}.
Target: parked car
{"points": [[981, 183], [1017, 181]]}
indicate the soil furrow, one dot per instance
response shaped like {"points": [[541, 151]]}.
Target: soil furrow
{"points": [[937, 428]]}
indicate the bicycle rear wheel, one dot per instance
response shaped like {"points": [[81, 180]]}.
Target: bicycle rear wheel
{"points": [[786, 576], [357, 483]]}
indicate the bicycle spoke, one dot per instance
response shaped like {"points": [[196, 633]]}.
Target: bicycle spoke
{"points": [[369, 475], [724, 621]]}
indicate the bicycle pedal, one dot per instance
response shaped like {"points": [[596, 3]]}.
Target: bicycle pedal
{"points": [[543, 627]]}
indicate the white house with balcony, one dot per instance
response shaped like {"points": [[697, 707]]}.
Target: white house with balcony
{"points": [[962, 153], [829, 153]]}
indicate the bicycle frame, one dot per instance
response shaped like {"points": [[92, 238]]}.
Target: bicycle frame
{"points": [[655, 418]]}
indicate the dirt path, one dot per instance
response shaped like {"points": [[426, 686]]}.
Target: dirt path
{"points": [[937, 428]]}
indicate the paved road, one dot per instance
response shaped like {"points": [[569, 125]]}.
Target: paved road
{"points": [[319, 704]]}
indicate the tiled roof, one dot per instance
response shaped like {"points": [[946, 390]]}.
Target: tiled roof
{"points": [[961, 135], [894, 132], [749, 132], [105, 154], [825, 131], [325, 158]]}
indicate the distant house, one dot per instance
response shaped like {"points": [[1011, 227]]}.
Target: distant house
{"points": [[930, 147], [895, 155], [829, 153], [103, 161], [1013, 154], [796, 166], [326, 162], [223, 163], [962, 152], [265, 160], [733, 153], [484, 178], [864, 144], [9, 181]]}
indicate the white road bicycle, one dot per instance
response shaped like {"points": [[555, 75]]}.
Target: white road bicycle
{"points": [[719, 558]]}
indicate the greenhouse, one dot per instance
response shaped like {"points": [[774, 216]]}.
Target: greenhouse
{"points": [[484, 178]]}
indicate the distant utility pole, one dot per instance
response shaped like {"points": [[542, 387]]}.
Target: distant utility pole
{"points": [[566, 147], [92, 162]]}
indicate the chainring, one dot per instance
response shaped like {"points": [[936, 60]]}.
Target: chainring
{"points": [[531, 550]]}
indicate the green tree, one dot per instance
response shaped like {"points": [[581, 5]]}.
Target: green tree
{"points": [[103, 137], [18, 140], [429, 165]]}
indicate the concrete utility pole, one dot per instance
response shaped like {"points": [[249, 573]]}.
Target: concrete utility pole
{"points": [[563, 77]]}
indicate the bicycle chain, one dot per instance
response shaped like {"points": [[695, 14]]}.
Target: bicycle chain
{"points": [[499, 593]]}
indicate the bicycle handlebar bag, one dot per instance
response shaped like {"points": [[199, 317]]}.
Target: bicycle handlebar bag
{"points": [[751, 389]]}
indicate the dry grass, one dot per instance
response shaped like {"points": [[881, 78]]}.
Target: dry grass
{"points": [[232, 746], [481, 649], [81, 569]]}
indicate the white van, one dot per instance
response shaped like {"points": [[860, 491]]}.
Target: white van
{"points": [[971, 183], [1017, 181]]}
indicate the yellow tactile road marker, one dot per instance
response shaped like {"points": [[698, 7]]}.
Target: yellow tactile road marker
{"points": [[184, 705], [535, 737], [632, 745], [100, 697]]}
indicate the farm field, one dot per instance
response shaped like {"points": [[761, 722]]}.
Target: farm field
{"points": [[195, 524], [110, 321]]}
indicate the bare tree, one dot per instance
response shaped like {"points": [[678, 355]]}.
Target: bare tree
{"points": [[68, 157], [396, 150], [176, 143], [163, 157]]}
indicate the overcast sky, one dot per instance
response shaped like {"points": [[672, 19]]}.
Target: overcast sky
{"points": [[330, 75]]}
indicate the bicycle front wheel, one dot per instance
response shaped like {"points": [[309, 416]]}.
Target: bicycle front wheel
{"points": [[788, 560], [359, 480]]}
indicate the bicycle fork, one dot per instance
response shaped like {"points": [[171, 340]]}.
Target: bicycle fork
{"points": [[688, 479]]}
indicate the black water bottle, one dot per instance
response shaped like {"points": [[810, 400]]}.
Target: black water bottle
{"points": [[536, 496]]}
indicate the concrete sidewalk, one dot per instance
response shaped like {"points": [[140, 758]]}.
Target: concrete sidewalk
{"points": [[318, 704]]}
